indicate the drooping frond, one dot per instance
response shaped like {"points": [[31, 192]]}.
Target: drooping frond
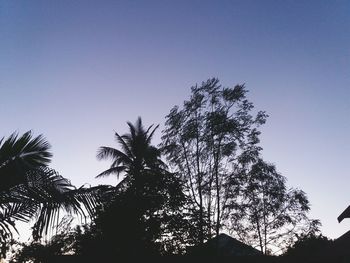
{"points": [[113, 170], [31, 151], [20, 154], [54, 194], [42, 197], [111, 153], [29, 190], [10, 212]]}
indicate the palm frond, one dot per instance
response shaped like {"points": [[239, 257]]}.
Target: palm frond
{"points": [[13, 208], [113, 170], [111, 153], [124, 145], [136, 152], [19, 155], [132, 130], [30, 190], [149, 137], [54, 194], [31, 151]]}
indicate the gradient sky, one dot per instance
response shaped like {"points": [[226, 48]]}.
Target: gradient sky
{"points": [[76, 71]]}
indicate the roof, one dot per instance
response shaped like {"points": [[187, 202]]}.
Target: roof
{"points": [[226, 246], [345, 214], [341, 245]]}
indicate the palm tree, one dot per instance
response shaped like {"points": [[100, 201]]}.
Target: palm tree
{"points": [[144, 204], [29, 189], [136, 157]]}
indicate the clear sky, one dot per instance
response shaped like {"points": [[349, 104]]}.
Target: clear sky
{"points": [[76, 71]]}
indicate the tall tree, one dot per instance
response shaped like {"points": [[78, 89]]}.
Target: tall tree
{"points": [[266, 213], [201, 141], [143, 210]]}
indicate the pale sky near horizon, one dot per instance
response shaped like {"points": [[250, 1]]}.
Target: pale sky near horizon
{"points": [[76, 71]]}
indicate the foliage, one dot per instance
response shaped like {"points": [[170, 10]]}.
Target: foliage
{"points": [[18, 155], [136, 155], [265, 213], [142, 222], [61, 243], [144, 212], [29, 189], [309, 246], [218, 182], [201, 141]]}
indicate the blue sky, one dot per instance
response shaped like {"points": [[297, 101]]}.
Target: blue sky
{"points": [[76, 71]]}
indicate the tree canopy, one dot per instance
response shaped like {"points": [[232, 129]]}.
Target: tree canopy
{"points": [[213, 179], [148, 199], [201, 141]]}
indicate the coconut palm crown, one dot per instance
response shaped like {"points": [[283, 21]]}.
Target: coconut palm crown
{"points": [[137, 156]]}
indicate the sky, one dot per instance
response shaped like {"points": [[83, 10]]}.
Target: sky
{"points": [[77, 71]]}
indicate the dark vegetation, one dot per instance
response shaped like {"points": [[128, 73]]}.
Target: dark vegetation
{"points": [[212, 179]]}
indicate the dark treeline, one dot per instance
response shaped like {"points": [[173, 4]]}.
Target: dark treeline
{"points": [[206, 177]]}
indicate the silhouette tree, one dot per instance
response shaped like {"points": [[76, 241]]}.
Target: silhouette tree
{"points": [[136, 156], [266, 213], [311, 248], [201, 141], [143, 211], [29, 189], [41, 252]]}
